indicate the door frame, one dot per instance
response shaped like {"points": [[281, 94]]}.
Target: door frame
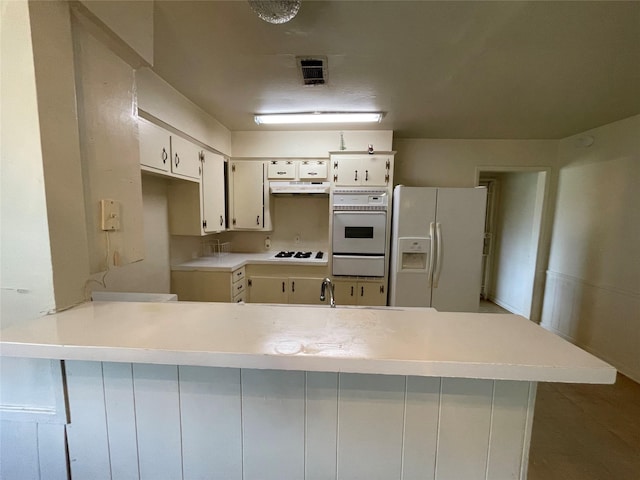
{"points": [[542, 222]]}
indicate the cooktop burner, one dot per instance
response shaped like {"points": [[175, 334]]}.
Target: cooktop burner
{"points": [[285, 254], [291, 254]]}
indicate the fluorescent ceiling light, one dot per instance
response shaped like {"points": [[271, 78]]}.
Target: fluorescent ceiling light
{"points": [[317, 117]]}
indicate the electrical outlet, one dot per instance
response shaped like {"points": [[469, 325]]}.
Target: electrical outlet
{"points": [[109, 215], [267, 243]]}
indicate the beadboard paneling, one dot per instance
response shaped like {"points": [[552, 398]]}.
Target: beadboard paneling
{"points": [[210, 408], [157, 407], [87, 430], [602, 320], [273, 424], [159, 421]]}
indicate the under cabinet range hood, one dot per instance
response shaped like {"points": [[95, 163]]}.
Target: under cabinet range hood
{"points": [[299, 188]]}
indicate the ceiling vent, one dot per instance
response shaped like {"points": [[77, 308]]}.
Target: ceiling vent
{"points": [[313, 69]]}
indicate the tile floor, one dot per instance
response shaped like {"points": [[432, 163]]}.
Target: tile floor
{"points": [[586, 432]]}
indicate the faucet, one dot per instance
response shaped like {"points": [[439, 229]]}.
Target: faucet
{"points": [[325, 282]]}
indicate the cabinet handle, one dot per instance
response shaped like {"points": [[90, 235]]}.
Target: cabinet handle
{"points": [[283, 287], [362, 291], [293, 287], [335, 164], [176, 159], [239, 287], [381, 288], [352, 290], [366, 175], [258, 220], [356, 177], [165, 156], [221, 220]]}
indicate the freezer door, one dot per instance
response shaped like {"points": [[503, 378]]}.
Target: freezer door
{"points": [[459, 238], [414, 210]]}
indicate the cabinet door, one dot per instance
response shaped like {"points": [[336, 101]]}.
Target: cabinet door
{"points": [[372, 293], [313, 170], [268, 289], [248, 195], [185, 158], [347, 171], [213, 195], [306, 291], [345, 292], [281, 170], [376, 170], [198, 286], [155, 147]]}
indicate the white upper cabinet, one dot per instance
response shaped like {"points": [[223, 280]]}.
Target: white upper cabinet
{"points": [[362, 170], [185, 158], [313, 170], [281, 170], [166, 153], [213, 193], [155, 147], [248, 203]]}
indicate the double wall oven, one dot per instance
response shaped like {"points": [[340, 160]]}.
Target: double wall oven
{"points": [[359, 232]]}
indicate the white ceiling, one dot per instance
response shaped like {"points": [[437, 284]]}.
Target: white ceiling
{"points": [[479, 69]]}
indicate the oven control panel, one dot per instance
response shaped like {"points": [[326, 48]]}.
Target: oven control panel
{"points": [[360, 200]]}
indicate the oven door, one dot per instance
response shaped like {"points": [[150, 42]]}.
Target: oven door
{"points": [[359, 232]]}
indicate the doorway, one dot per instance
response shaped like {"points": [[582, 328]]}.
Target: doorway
{"points": [[512, 263]]}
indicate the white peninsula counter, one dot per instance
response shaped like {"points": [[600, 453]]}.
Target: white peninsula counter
{"points": [[244, 391]]}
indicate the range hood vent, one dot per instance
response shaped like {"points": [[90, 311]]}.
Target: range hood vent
{"points": [[299, 188], [313, 70]]}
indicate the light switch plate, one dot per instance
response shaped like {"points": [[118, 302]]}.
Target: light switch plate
{"points": [[110, 214]]}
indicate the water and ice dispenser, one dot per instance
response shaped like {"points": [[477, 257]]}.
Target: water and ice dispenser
{"points": [[413, 254]]}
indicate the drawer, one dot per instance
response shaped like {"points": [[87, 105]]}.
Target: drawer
{"points": [[241, 297], [237, 275], [313, 170], [237, 288]]}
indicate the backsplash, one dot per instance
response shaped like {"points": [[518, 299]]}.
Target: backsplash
{"points": [[299, 223]]}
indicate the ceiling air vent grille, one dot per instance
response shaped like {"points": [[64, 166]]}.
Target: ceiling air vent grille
{"points": [[313, 69]]}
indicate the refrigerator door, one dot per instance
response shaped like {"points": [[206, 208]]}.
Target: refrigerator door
{"points": [[413, 212], [459, 238]]}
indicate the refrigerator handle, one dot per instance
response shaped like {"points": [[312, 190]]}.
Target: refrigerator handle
{"points": [[432, 253], [436, 276]]}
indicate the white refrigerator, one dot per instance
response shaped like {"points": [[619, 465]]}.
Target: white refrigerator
{"points": [[436, 248]]}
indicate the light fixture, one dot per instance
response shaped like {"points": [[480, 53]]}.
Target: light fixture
{"points": [[275, 11], [318, 117]]}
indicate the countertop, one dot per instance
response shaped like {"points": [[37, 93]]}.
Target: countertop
{"points": [[379, 340], [231, 261]]}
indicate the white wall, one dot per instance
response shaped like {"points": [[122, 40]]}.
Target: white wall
{"points": [[454, 163], [160, 100], [592, 295], [310, 144], [26, 263], [131, 21], [152, 274], [516, 244]]}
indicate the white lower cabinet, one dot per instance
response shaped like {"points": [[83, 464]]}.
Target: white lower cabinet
{"points": [[203, 286], [280, 289], [353, 292]]}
